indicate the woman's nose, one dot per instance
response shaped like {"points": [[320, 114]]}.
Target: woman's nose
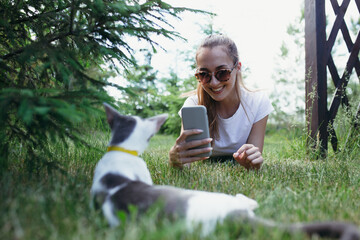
{"points": [[213, 80]]}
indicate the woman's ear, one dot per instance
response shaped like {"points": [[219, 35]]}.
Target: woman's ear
{"points": [[239, 66]]}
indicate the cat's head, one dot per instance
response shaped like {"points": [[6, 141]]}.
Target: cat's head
{"points": [[132, 132]]}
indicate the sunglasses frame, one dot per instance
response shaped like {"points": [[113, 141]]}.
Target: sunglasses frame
{"points": [[214, 74]]}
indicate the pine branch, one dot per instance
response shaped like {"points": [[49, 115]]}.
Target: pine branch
{"points": [[21, 50], [32, 18], [72, 15], [50, 47]]}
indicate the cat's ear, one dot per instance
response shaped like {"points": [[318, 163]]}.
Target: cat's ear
{"points": [[159, 119], [110, 114]]}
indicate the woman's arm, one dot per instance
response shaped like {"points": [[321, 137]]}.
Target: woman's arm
{"points": [[249, 155], [257, 134]]}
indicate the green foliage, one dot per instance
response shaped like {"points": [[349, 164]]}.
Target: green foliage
{"points": [[146, 98], [32, 118], [174, 103], [142, 96], [52, 65], [146, 95], [288, 96]]}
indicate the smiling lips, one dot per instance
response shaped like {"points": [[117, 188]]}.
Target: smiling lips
{"points": [[217, 90]]}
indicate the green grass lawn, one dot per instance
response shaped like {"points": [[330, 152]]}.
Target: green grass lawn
{"points": [[291, 187]]}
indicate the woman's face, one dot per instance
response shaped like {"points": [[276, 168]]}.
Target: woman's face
{"points": [[214, 59]]}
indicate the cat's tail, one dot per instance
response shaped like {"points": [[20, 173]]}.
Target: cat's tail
{"points": [[337, 230], [334, 230]]}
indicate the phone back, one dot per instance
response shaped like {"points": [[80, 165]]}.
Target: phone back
{"points": [[195, 117]]}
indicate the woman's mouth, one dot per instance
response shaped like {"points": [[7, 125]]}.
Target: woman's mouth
{"points": [[217, 90]]}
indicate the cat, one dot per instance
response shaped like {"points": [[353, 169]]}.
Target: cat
{"points": [[122, 179]]}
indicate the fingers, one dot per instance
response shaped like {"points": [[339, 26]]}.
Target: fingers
{"points": [[187, 133], [249, 156], [183, 152], [193, 152], [185, 146], [246, 147], [191, 158], [242, 159], [180, 157], [187, 155]]}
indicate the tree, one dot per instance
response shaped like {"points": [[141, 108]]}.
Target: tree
{"points": [[146, 95], [54, 57], [288, 96], [142, 94]]}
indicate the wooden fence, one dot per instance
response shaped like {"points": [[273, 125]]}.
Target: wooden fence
{"points": [[319, 62]]}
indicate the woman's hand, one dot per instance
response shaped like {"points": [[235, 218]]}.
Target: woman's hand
{"points": [[249, 156], [182, 153]]}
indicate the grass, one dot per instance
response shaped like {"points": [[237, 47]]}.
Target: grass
{"points": [[291, 187]]}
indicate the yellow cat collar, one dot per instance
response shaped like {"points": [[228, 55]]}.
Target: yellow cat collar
{"points": [[120, 149]]}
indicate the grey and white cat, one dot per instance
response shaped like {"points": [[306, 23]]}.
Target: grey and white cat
{"points": [[122, 179]]}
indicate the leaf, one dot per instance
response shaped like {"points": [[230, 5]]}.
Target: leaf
{"points": [[42, 110], [25, 111], [122, 216]]}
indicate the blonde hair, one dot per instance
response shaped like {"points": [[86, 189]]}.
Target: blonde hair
{"points": [[203, 97]]}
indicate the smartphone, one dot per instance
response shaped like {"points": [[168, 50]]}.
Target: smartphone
{"points": [[195, 117]]}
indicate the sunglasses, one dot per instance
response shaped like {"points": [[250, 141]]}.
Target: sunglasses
{"points": [[221, 75]]}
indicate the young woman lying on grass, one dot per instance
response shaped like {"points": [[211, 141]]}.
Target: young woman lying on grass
{"points": [[237, 116]]}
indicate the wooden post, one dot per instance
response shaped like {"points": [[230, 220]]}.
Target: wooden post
{"points": [[316, 80]]}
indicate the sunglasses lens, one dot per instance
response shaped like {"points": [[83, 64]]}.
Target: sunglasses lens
{"points": [[203, 77], [223, 75]]}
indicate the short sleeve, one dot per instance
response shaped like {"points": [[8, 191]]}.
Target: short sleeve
{"points": [[264, 106], [190, 101]]}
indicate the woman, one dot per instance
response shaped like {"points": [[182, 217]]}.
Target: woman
{"points": [[237, 117]]}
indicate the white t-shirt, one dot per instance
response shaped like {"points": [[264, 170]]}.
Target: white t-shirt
{"points": [[234, 131]]}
